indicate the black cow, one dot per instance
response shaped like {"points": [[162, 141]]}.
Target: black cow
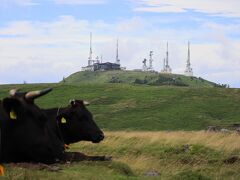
{"points": [[25, 134], [76, 123]]}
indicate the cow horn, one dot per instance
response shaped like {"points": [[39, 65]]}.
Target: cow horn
{"points": [[86, 103], [16, 92], [12, 92], [36, 94]]}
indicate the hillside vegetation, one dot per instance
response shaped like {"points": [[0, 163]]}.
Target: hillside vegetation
{"points": [[143, 107], [150, 155], [143, 122], [137, 77]]}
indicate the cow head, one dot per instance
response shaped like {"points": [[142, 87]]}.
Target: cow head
{"points": [[76, 124], [25, 132]]}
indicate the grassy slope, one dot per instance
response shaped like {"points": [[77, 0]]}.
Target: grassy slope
{"points": [[136, 153], [142, 107], [130, 77]]}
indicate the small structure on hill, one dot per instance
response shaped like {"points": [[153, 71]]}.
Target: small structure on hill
{"points": [[96, 65], [106, 66]]}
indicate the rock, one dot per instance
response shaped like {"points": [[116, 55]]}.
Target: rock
{"points": [[186, 147], [152, 173], [211, 129], [238, 130], [223, 130]]}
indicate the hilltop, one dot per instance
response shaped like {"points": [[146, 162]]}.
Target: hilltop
{"points": [[137, 77]]}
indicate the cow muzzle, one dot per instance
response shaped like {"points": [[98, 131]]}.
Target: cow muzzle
{"points": [[99, 138]]}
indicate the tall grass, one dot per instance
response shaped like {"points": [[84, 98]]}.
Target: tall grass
{"points": [[224, 141], [135, 154], [165, 152]]}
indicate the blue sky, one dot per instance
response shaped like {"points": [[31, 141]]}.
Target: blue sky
{"points": [[42, 41]]}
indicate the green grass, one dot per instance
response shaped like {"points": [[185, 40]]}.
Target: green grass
{"points": [[143, 107], [81, 170]]}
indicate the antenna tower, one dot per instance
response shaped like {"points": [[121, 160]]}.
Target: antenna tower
{"points": [[101, 58], [97, 60], [164, 64], [150, 68], [188, 71], [167, 67], [144, 64], [117, 58], [90, 51]]}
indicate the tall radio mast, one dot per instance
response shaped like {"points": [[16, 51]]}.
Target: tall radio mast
{"points": [[117, 58], [188, 71], [167, 67], [90, 51]]}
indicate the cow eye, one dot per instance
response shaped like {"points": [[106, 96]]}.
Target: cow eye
{"points": [[42, 118]]}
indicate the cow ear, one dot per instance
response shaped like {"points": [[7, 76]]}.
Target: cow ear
{"points": [[11, 106]]}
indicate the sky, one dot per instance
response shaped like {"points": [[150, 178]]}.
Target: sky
{"points": [[46, 40]]}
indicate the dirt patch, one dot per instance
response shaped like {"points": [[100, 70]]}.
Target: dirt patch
{"points": [[77, 156], [231, 160], [124, 105], [36, 166], [68, 159]]}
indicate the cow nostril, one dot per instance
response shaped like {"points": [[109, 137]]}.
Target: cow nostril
{"points": [[101, 136]]}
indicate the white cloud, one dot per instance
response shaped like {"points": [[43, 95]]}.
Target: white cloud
{"points": [[47, 51], [6, 3], [229, 8], [131, 24], [79, 2]]}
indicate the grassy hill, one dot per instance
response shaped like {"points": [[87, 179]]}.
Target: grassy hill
{"points": [[137, 77], [132, 113], [143, 107]]}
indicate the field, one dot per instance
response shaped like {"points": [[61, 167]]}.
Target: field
{"points": [[150, 155], [152, 131]]}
